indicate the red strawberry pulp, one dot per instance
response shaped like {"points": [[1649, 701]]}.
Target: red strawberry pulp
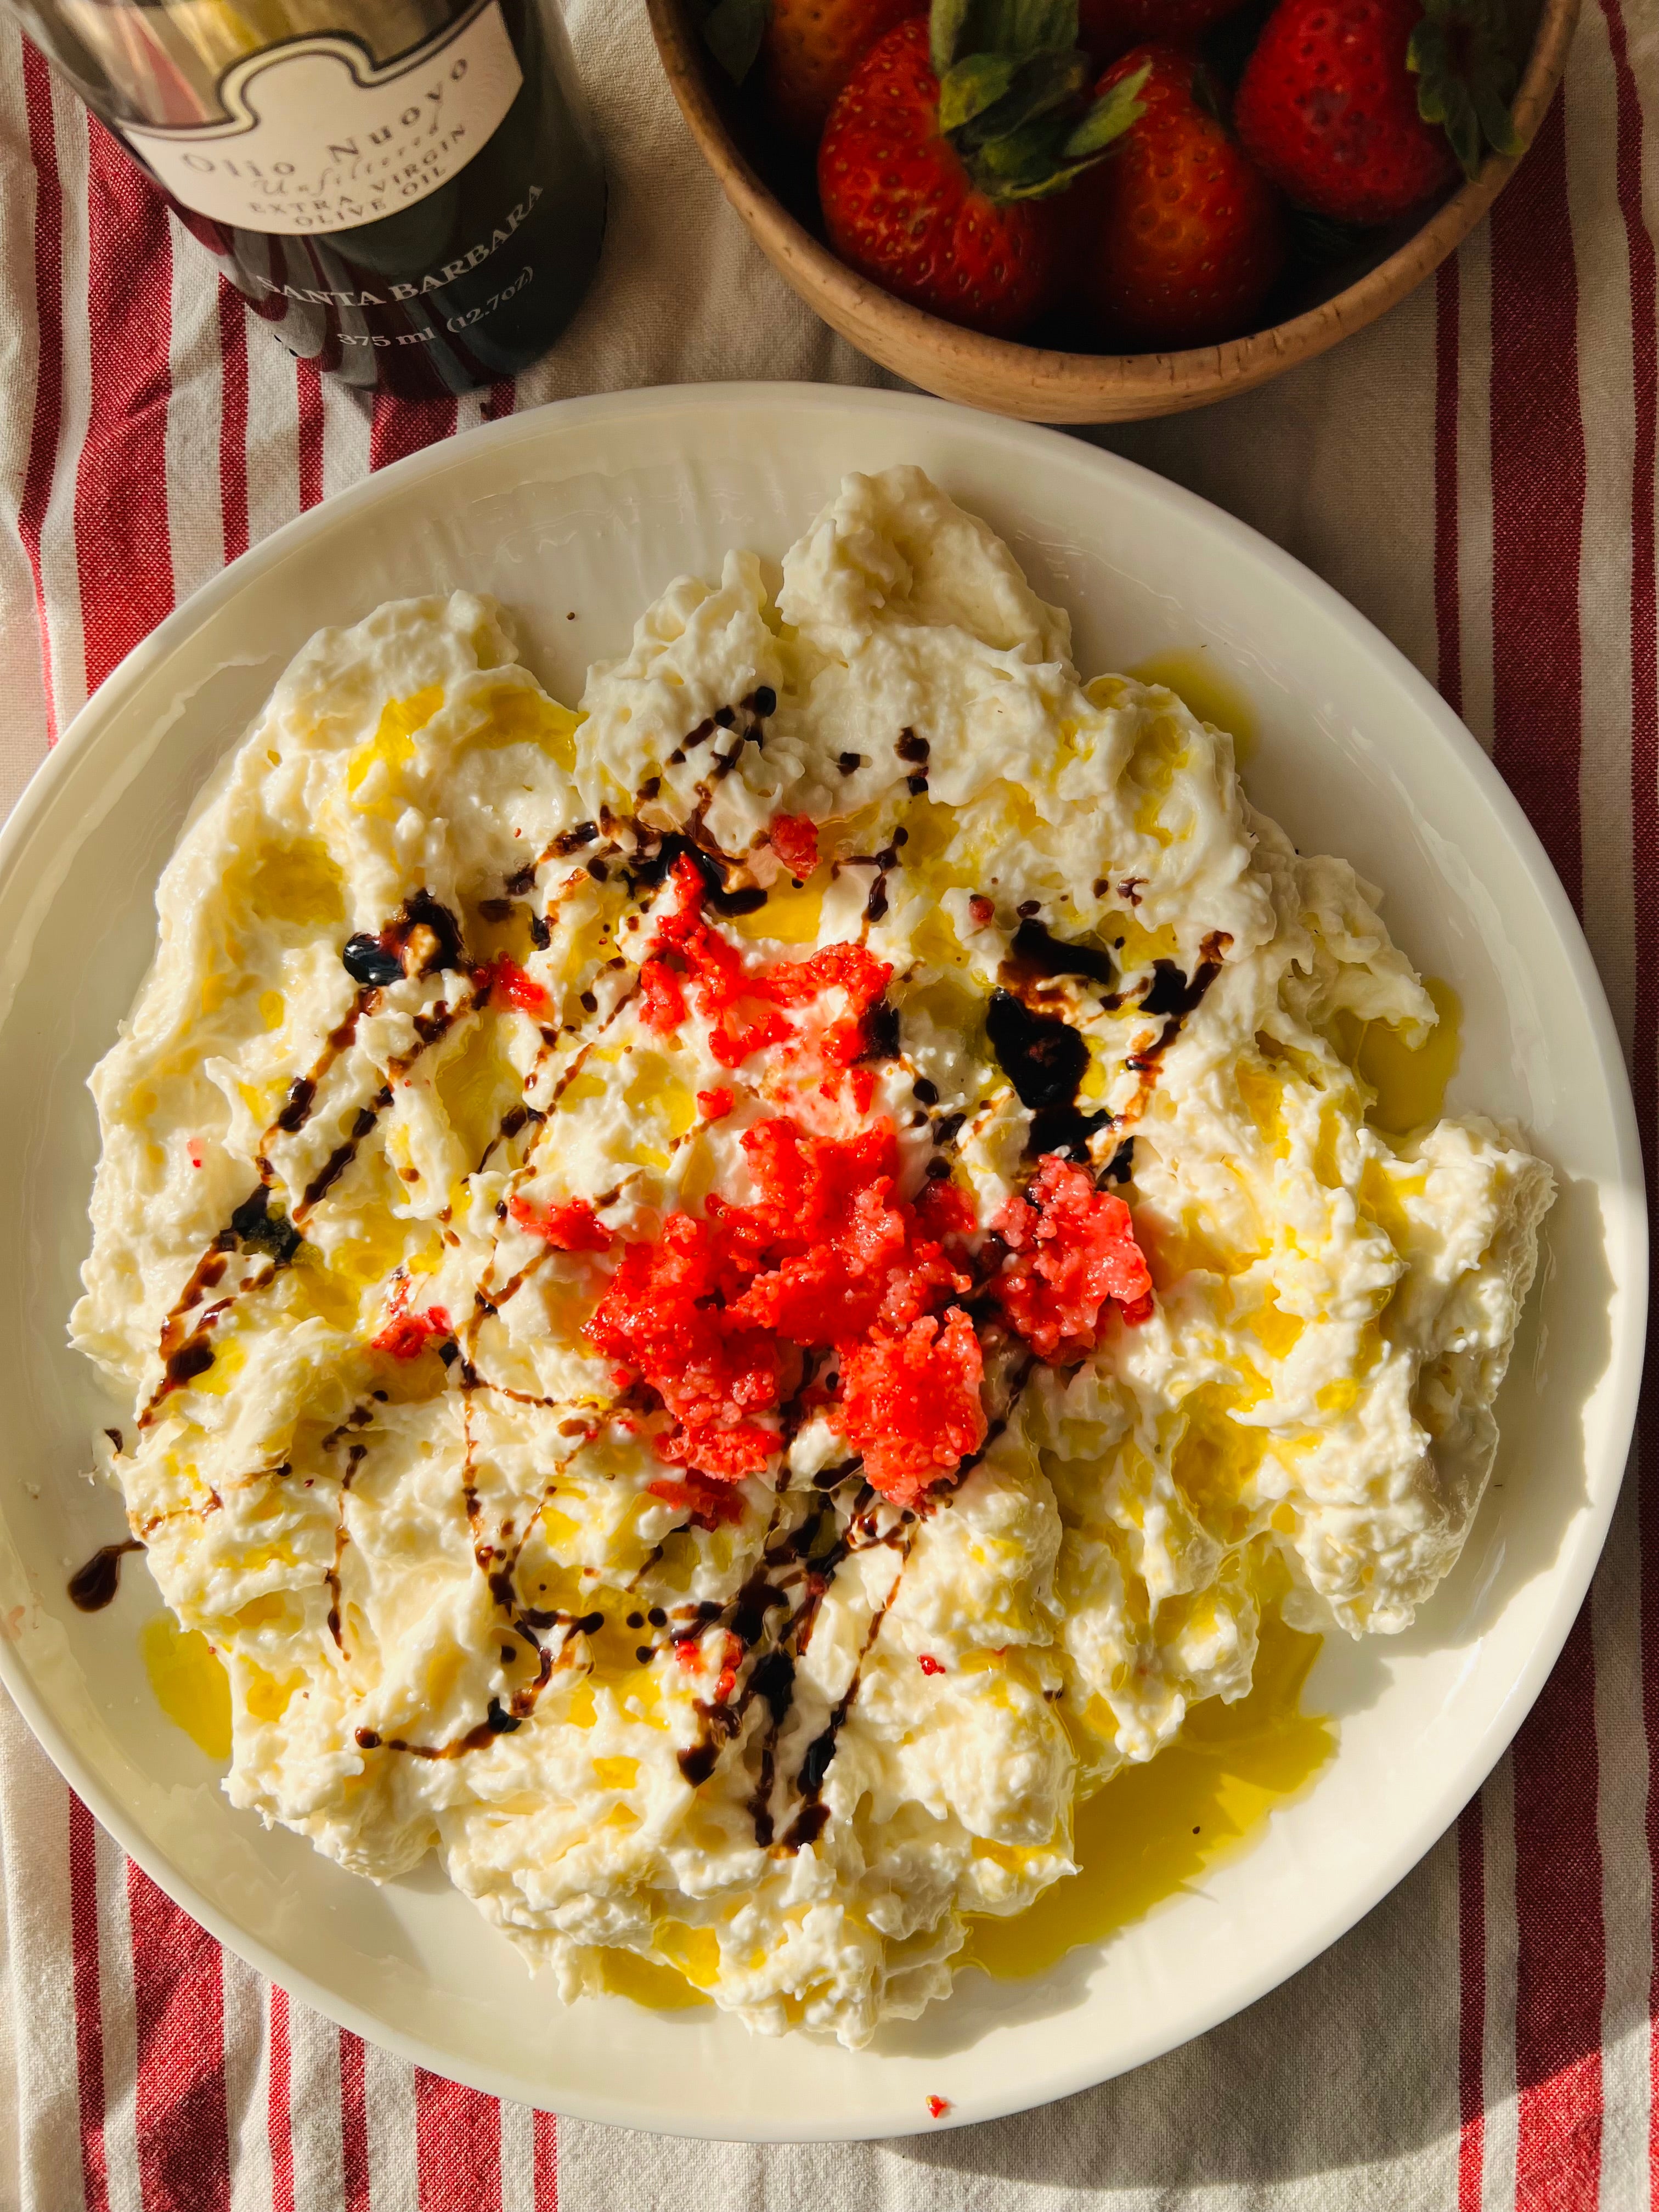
{"points": [[825, 1270], [742, 1005], [403, 1334]]}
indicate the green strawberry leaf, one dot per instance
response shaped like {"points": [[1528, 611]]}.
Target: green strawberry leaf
{"points": [[947, 24], [1466, 78], [1037, 85], [1107, 120], [1017, 164], [959, 27], [973, 84], [1047, 185], [1492, 84], [1044, 26], [733, 31], [1013, 95]]}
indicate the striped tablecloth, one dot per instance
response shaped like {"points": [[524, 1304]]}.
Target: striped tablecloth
{"points": [[1477, 473]]}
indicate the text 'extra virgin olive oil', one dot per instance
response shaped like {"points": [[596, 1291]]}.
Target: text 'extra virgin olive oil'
{"points": [[408, 192]]}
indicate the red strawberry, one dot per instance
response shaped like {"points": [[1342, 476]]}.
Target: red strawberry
{"points": [[899, 204], [810, 49], [1110, 28], [943, 191], [1188, 237], [1360, 109]]}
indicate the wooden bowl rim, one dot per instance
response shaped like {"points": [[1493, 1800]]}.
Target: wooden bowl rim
{"points": [[894, 330]]}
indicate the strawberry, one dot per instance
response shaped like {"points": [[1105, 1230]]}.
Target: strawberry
{"points": [[811, 47], [1361, 109], [940, 160], [1109, 27], [1187, 236]]}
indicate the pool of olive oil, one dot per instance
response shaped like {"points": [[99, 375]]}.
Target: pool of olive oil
{"points": [[189, 1682], [1154, 1830], [1211, 695]]}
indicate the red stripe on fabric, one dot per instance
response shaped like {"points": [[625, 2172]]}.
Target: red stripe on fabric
{"points": [[398, 428], [1560, 1968], [88, 2003], [1538, 470], [1538, 498], [545, 2185], [122, 550], [48, 415], [1471, 2008], [279, 2118], [178, 1998], [232, 420], [1644, 831], [503, 399], [311, 420], [458, 2146], [354, 2123], [1448, 621]]}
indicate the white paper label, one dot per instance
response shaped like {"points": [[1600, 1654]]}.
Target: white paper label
{"points": [[320, 140]]}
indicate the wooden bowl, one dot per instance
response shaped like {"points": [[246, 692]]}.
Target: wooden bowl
{"points": [[1039, 383]]}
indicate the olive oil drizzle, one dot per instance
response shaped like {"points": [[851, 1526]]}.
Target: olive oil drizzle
{"points": [[772, 1617], [767, 1659]]}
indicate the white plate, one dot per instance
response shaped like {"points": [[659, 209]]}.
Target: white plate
{"points": [[588, 508]]}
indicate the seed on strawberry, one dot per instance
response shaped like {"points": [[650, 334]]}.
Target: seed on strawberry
{"points": [[809, 50], [1361, 109], [940, 164], [1184, 237]]}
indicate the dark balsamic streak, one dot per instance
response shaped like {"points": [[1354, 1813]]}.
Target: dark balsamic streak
{"points": [[430, 936], [91, 1587], [1037, 956], [1170, 993], [1121, 1165], [811, 1821], [881, 1032], [1174, 995], [1043, 1057], [345, 1153], [648, 870], [355, 1459]]}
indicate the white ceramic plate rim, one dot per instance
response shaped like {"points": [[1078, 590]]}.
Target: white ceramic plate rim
{"points": [[1569, 1575]]}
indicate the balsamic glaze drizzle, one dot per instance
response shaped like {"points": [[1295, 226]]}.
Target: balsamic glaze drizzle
{"points": [[92, 1586], [771, 1617], [1036, 953]]}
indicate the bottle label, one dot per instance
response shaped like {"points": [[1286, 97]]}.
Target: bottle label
{"points": [[321, 140]]}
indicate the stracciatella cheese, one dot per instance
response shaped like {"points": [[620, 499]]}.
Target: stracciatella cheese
{"points": [[732, 1298]]}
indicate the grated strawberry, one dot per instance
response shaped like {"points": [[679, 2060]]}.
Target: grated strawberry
{"points": [[910, 1402], [517, 987], [795, 841], [572, 1226], [405, 1335], [741, 1005], [1071, 1249], [713, 1317]]}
